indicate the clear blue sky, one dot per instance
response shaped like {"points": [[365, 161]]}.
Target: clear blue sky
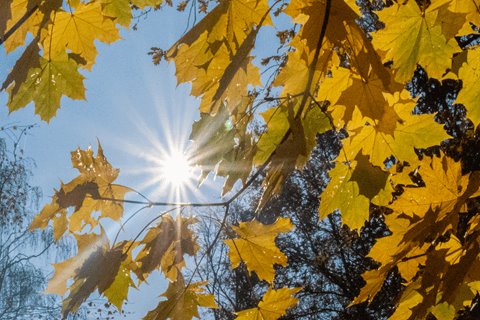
{"points": [[132, 107]]}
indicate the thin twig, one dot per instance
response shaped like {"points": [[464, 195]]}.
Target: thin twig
{"points": [[126, 221]]}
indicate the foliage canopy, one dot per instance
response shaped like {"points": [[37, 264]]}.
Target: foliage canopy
{"points": [[332, 73]]}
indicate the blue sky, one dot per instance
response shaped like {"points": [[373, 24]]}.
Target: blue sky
{"points": [[132, 107]]}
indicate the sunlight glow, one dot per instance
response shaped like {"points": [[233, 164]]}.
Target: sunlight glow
{"points": [[163, 165], [175, 169]]}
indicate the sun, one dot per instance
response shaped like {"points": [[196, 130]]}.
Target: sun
{"points": [[176, 169]]}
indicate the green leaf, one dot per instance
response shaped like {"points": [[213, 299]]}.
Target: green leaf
{"points": [[45, 85]]}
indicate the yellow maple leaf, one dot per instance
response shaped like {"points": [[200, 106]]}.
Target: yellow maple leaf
{"points": [[470, 93], [392, 251], [274, 305], [30, 59], [346, 90], [288, 141], [420, 214], [410, 299], [182, 301], [467, 7], [117, 292], [374, 280], [95, 266], [77, 31], [215, 54], [446, 276], [165, 245], [120, 10], [293, 76], [147, 3], [87, 244], [256, 247], [98, 271], [351, 188], [410, 37], [396, 134], [18, 9], [445, 192], [91, 191], [444, 311], [342, 35]]}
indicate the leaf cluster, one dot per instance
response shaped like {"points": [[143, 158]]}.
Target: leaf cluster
{"points": [[336, 69]]}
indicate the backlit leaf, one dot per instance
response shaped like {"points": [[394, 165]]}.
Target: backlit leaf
{"points": [[46, 84], [91, 191], [351, 188], [98, 271], [118, 9], [412, 37], [470, 93], [77, 31], [165, 245], [255, 246], [274, 305], [182, 301]]}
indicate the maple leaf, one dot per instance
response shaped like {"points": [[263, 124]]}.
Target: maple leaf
{"points": [[347, 90], [469, 8], [293, 76], [96, 266], [351, 188], [77, 31], [444, 311], [5, 15], [422, 213], [165, 245], [410, 37], [182, 301], [469, 94], [87, 244], [147, 3], [119, 10], [445, 192], [91, 191], [256, 247], [273, 305], [449, 269], [397, 133], [218, 140], [311, 13], [342, 34], [287, 143], [212, 138], [117, 292], [410, 298], [98, 271], [45, 85], [214, 54], [30, 59], [17, 10]]}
